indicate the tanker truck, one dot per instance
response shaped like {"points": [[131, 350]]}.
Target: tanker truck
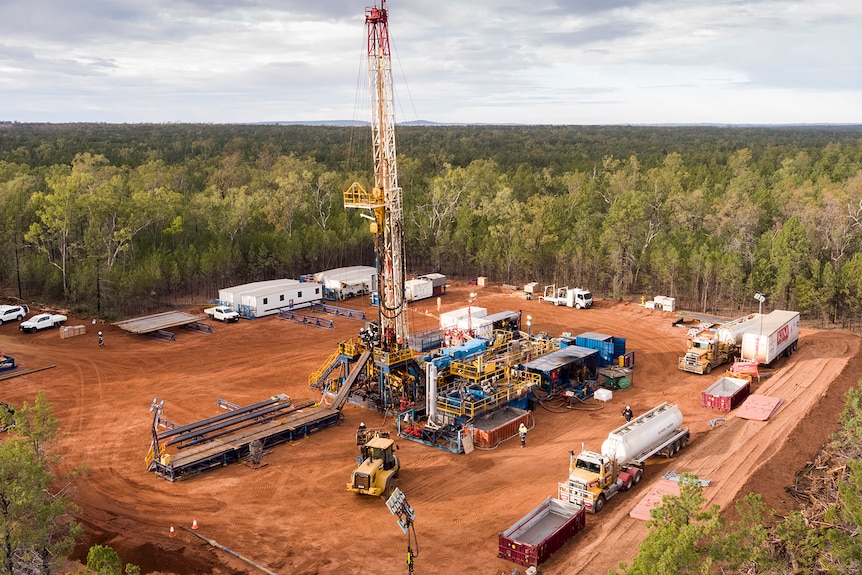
{"points": [[596, 477], [709, 348]]}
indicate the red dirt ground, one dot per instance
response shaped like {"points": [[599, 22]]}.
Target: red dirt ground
{"points": [[295, 515]]}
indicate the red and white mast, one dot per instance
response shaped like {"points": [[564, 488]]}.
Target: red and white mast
{"points": [[385, 199]]}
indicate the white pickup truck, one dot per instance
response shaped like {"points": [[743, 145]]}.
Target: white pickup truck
{"points": [[42, 321], [222, 313]]}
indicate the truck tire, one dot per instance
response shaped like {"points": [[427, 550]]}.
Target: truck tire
{"points": [[577, 306], [600, 504], [707, 369], [637, 477]]}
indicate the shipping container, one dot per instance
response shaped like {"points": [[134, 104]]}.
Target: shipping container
{"points": [[726, 393], [495, 427], [610, 348], [777, 333], [534, 537]]}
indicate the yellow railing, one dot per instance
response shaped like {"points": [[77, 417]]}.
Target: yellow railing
{"points": [[315, 376], [392, 357], [356, 196]]}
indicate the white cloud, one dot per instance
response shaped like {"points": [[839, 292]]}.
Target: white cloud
{"points": [[504, 61]]}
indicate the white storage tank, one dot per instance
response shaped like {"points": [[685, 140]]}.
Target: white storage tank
{"points": [[642, 432]]}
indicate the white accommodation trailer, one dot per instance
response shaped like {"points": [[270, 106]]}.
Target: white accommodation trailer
{"points": [[232, 296], [268, 300], [343, 283]]}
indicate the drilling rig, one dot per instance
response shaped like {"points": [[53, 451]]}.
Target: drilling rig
{"points": [[393, 369], [384, 202]]}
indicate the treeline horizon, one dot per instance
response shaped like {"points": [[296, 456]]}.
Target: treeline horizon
{"points": [[120, 219]]}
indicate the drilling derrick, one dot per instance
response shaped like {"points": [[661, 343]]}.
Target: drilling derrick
{"points": [[384, 201]]}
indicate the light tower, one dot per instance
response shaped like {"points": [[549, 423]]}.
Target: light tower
{"points": [[384, 201]]}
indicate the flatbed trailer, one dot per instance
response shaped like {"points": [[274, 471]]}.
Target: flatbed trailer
{"points": [[533, 538]]}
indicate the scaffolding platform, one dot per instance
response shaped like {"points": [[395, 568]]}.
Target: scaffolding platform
{"points": [[198, 326], [339, 311], [306, 319]]}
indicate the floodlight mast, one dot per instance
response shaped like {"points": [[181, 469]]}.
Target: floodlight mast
{"points": [[385, 200]]}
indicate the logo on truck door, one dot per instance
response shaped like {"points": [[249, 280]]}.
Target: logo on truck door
{"points": [[783, 333]]}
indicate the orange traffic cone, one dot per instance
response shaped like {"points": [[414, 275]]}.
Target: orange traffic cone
{"points": [[172, 533], [194, 523]]}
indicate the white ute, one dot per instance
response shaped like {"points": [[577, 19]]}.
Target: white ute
{"points": [[42, 321], [222, 313]]}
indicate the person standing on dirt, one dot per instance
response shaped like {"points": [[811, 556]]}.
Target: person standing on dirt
{"points": [[522, 431], [628, 413], [101, 340]]}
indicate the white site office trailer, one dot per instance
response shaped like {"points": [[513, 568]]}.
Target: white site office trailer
{"points": [[268, 300], [232, 296]]}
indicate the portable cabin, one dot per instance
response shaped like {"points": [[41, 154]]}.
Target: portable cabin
{"points": [[417, 289], [347, 282], [438, 283], [232, 296], [451, 318], [269, 300]]}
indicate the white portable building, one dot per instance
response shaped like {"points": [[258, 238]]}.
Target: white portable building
{"points": [[418, 288], [232, 296], [342, 283], [268, 300], [451, 318]]}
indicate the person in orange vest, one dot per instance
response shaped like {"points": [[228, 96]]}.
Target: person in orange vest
{"points": [[522, 431]]}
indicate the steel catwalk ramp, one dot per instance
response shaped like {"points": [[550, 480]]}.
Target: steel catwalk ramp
{"points": [[341, 396]]}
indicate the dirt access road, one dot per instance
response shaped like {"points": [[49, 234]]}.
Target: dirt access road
{"points": [[295, 515]]}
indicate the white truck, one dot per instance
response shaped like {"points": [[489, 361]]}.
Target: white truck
{"points": [[777, 334], [596, 477], [222, 313], [13, 313], [571, 297], [42, 321]]}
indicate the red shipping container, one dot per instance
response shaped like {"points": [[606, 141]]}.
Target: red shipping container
{"points": [[726, 393], [534, 537]]}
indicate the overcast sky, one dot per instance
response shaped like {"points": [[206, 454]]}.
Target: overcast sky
{"points": [[454, 61]]}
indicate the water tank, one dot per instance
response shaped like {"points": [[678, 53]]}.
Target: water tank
{"points": [[642, 432], [731, 332]]}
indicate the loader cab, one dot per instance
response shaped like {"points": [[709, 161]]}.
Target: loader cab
{"points": [[379, 449]]}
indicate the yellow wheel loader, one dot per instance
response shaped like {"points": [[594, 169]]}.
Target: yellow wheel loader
{"points": [[378, 466]]}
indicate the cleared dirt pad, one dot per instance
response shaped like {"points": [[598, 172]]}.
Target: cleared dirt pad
{"points": [[295, 515]]}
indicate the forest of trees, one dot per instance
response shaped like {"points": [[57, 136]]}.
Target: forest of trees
{"points": [[123, 219]]}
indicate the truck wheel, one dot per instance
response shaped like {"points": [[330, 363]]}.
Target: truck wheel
{"points": [[600, 504], [1, 321], [577, 306], [637, 478], [628, 484], [707, 369]]}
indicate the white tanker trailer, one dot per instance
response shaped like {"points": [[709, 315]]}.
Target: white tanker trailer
{"points": [[596, 477]]}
